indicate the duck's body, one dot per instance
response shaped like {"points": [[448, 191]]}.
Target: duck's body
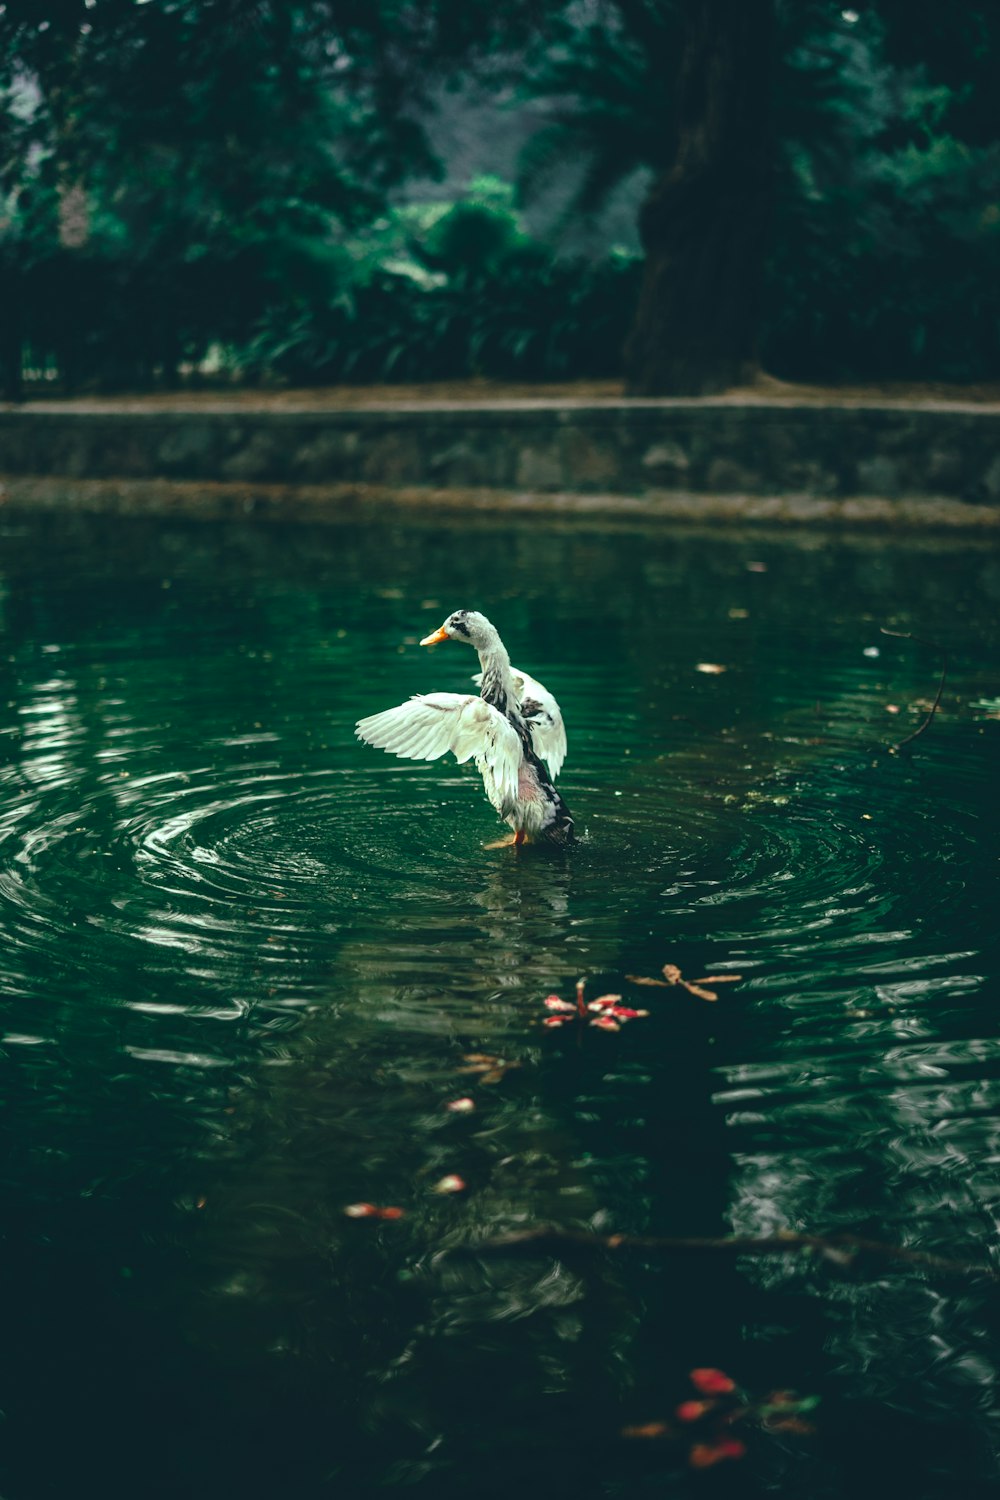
{"points": [[510, 730]]}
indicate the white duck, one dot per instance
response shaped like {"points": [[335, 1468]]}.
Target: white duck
{"points": [[508, 730]]}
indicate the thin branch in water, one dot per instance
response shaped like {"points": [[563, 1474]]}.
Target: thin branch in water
{"points": [[906, 635], [840, 1249]]}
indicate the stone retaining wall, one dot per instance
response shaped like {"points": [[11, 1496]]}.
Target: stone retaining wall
{"points": [[627, 448]]}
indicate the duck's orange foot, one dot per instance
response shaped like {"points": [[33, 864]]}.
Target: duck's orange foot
{"points": [[512, 839]]}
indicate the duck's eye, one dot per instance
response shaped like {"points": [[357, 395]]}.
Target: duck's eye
{"points": [[457, 622]]}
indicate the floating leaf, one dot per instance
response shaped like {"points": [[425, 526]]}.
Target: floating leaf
{"points": [[838, 1257], [672, 975], [450, 1184], [711, 668], [554, 1003], [372, 1211], [789, 1424], [461, 1106], [648, 1430], [606, 1023], [704, 1455], [491, 1069], [711, 1382], [693, 1411], [644, 979], [554, 1021]]}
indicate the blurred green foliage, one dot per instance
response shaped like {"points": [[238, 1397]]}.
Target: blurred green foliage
{"points": [[214, 185], [449, 290]]}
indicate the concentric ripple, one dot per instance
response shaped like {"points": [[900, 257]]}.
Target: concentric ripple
{"points": [[248, 962]]}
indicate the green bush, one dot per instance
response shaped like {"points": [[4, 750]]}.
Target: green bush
{"points": [[450, 291]]}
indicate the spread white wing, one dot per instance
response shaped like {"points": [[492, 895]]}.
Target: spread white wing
{"points": [[543, 717], [431, 724]]}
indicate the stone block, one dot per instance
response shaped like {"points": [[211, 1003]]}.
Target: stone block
{"points": [[186, 450], [667, 463], [391, 457], [262, 457], [326, 455], [469, 461], [539, 467], [590, 460], [878, 474]]}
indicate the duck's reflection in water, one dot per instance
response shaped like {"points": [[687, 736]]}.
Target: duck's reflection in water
{"points": [[350, 1106]]}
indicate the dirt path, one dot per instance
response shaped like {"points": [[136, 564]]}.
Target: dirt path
{"points": [[489, 392]]}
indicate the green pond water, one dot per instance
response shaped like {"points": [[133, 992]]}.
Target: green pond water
{"points": [[246, 959]]}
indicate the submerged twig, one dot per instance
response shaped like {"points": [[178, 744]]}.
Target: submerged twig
{"points": [[841, 1249], [906, 635]]}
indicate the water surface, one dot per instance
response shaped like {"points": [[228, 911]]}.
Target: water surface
{"points": [[246, 959]]}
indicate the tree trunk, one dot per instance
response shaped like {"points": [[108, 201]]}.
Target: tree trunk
{"points": [[11, 353], [704, 221]]}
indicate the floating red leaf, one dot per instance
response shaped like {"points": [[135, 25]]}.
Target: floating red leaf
{"points": [[692, 1411], [711, 1382], [704, 1455], [372, 1211]]}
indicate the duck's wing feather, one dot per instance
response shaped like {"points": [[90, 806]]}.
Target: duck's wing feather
{"points": [[429, 725], [543, 717]]}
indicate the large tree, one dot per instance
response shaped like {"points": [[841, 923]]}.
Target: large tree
{"points": [[704, 221]]}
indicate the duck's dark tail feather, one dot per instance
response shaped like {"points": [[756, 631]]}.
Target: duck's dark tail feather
{"points": [[560, 831]]}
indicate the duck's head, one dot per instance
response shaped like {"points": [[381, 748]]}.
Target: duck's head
{"points": [[463, 625]]}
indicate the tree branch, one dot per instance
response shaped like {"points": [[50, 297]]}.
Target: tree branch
{"points": [[906, 635], [840, 1249]]}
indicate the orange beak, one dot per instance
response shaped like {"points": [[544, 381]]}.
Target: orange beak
{"points": [[437, 635]]}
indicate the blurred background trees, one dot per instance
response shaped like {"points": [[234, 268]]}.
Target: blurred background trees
{"points": [[678, 191]]}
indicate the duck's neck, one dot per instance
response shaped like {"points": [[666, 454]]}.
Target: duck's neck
{"points": [[498, 682]]}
